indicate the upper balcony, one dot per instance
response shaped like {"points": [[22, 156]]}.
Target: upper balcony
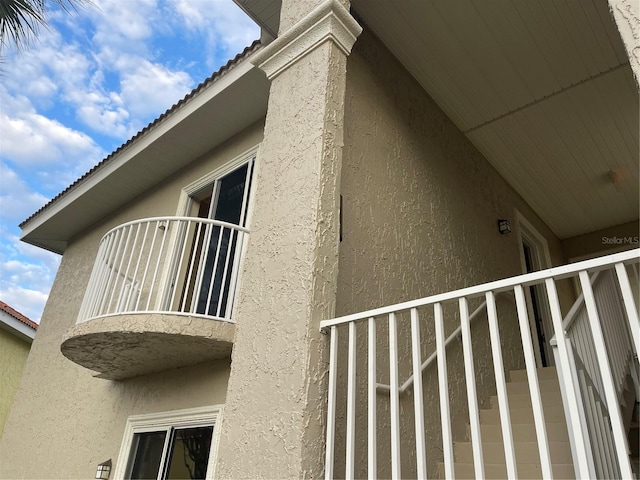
{"points": [[160, 296]]}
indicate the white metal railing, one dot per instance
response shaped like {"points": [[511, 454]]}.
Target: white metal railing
{"points": [[594, 411], [428, 315], [457, 333], [179, 265]]}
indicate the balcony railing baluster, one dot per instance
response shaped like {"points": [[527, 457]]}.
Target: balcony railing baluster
{"points": [[157, 265]]}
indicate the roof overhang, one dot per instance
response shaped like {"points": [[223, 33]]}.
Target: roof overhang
{"points": [[265, 13], [233, 101], [544, 90], [16, 327]]}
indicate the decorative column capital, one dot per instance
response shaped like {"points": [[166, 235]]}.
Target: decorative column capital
{"points": [[329, 21]]}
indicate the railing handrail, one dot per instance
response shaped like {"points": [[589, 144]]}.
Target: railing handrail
{"points": [[497, 286], [176, 218], [434, 355]]}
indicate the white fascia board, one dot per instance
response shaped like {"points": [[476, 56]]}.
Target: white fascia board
{"points": [[140, 144], [16, 327]]}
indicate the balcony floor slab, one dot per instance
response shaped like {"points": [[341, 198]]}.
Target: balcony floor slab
{"points": [[124, 346]]}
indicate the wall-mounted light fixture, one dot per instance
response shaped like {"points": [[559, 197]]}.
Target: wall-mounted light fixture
{"points": [[504, 226], [104, 470]]}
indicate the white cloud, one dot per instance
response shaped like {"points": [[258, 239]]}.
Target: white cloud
{"points": [[34, 141], [17, 200], [30, 138], [26, 275], [22, 272], [152, 88], [123, 25], [104, 114], [49, 260], [51, 66], [27, 301], [227, 28], [120, 85]]}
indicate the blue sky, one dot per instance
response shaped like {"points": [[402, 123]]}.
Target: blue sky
{"points": [[86, 85]]}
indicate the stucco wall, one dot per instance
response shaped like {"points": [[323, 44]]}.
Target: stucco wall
{"points": [[602, 242], [277, 385], [65, 418], [13, 356], [627, 16], [419, 216]]}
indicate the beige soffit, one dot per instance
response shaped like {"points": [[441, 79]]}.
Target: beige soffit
{"points": [[328, 21], [265, 13], [543, 89], [226, 103]]}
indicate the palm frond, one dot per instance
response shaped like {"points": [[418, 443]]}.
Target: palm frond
{"points": [[21, 19]]}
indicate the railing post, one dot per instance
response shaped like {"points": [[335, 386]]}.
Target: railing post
{"points": [[619, 436], [372, 401], [351, 404], [534, 385], [331, 404], [395, 400], [126, 272], [94, 281], [472, 396], [421, 454], [629, 305], [574, 379], [575, 426], [118, 272], [214, 271], [501, 387], [443, 388]]}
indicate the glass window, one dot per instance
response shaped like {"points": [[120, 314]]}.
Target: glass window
{"points": [[146, 454], [176, 453], [189, 453]]}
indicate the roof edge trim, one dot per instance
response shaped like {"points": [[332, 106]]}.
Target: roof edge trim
{"points": [[205, 91]]}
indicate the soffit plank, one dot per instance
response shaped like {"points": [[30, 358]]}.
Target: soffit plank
{"points": [[542, 88], [558, 154], [506, 26], [495, 85]]}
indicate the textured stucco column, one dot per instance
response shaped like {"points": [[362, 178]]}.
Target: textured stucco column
{"points": [[273, 423], [627, 16]]}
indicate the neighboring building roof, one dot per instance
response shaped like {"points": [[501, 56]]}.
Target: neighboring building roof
{"points": [[17, 315], [17, 323], [224, 69]]}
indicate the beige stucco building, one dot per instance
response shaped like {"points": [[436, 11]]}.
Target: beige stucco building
{"points": [[16, 336], [227, 296]]}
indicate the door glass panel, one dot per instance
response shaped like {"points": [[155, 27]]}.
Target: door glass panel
{"points": [[229, 207], [530, 263], [146, 455], [189, 453]]}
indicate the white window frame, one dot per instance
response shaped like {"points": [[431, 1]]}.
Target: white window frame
{"points": [[153, 422], [203, 182]]}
